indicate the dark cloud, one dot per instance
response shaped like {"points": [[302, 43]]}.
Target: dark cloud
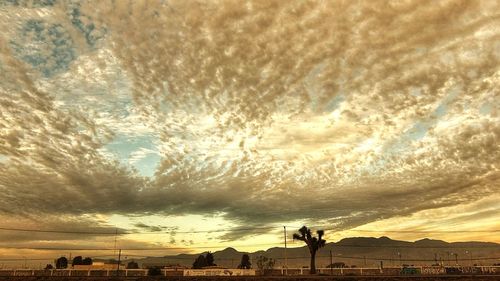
{"points": [[49, 228], [155, 228]]}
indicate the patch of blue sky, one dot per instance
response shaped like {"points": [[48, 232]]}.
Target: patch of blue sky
{"points": [[98, 97], [312, 87], [48, 48], [29, 3], [315, 91], [416, 92], [85, 25], [148, 164], [123, 147], [3, 158], [105, 105], [418, 131], [334, 103], [420, 128], [486, 108]]}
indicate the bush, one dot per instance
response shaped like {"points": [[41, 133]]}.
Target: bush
{"points": [[132, 265], [154, 271]]}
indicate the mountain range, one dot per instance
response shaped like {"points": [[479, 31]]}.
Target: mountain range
{"points": [[356, 251]]}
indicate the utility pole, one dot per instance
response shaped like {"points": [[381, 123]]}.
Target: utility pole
{"points": [[331, 262], [114, 248], [119, 261], [286, 261]]}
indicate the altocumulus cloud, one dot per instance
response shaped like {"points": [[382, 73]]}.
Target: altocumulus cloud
{"points": [[262, 111]]}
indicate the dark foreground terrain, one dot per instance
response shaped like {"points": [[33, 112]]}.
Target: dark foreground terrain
{"points": [[263, 278]]}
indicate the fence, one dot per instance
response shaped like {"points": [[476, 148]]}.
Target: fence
{"points": [[77, 272], [414, 270]]}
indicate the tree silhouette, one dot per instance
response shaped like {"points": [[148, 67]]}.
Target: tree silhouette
{"points": [[245, 262], [313, 243], [210, 259], [132, 265], [200, 262], [78, 260], [87, 261], [154, 271], [61, 263], [264, 263], [337, 265]]}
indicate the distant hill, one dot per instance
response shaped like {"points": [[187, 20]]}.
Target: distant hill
{"points": [[359, 251]]}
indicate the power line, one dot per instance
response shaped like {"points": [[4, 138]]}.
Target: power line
{"points": [[426, 231], [132, 249], [60, 231], [134, 232], [250, 245], [237, 229]]}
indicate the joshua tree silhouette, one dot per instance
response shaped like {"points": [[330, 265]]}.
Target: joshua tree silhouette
{"points": [[313, 243]]}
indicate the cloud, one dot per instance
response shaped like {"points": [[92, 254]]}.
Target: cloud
{"points": [[70, 228], [268, 112], [154, 228]]}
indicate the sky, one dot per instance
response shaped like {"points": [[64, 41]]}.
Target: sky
{"points": [[196, 125]]}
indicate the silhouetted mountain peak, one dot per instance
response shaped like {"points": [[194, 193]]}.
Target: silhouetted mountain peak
{"points": [[229, 249], [430, 242], [228, 252], [383, 247], [384, 240]]}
